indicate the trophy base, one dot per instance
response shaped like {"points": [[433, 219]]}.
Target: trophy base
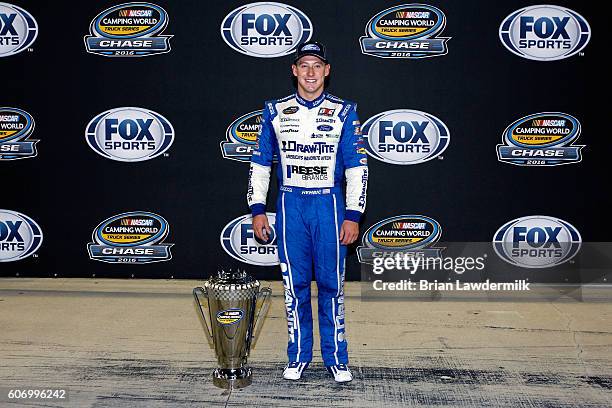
{"points": [[232, 377]]}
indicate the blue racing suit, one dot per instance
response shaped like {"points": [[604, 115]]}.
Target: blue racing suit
{"points": [[319, 145]]}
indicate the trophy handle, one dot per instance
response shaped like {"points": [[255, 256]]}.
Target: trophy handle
{"points": [[264, 294], [203, 292]]}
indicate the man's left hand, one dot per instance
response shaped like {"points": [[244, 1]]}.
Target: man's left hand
{"points": [[349, 232]]}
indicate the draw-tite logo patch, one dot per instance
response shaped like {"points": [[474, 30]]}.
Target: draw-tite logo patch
{"points": [[537, 241], [16, 126], [239, 241], [405, 136], [129, 30], [406, 31], [132, 237], [18, 29], [266, 29], [412, 234], [129, 134], [20, 236], [541, 139], [545, 33]]}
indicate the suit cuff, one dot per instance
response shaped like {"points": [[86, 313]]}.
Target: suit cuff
{"points": [[352, 215], [257, 209]]}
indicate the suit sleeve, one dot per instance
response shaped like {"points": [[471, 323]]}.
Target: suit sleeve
{"points": [[356, 166], [261, 163]]}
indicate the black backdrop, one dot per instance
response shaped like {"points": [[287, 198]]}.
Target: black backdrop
{"points": [[202, 85]]}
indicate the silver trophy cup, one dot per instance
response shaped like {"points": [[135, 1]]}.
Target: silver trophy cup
{"points": [[235, 302]]}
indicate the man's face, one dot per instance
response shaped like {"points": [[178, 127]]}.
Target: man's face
{"points": [[310, 72]]}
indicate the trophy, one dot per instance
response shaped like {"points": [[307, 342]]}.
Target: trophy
{"points": [[235, 302]]}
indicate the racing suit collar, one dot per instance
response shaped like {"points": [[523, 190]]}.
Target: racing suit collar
{"points": [[310, 104]]}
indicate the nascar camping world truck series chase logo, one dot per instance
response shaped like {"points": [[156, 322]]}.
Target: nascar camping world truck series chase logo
{"points": [[18, 29], [406, 31], [132, 237], [402, 234], [541, 139], [230, 316], [241, 137], [16, 126], [129, 30]]}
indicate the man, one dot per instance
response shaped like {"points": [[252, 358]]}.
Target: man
{"points": [[317, 138]]}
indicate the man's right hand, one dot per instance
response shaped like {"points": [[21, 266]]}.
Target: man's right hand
{"points": [[261, 227]]}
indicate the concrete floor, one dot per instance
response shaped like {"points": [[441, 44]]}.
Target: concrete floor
{"points": [[139, 343]]}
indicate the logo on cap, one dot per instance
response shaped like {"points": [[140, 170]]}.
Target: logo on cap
{"points": [[311, 47]]}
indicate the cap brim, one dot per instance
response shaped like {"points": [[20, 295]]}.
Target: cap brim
{"points": [[311, 54]]}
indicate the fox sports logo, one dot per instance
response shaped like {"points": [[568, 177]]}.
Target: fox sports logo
{"points": [[18, 29], [266, 29], [537, 242], [405, 136], [545, 33], [20, 236], [129, 134], [239, 241]]}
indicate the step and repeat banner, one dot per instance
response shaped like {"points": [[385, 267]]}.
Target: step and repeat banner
{"points": [[126, 129]]}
